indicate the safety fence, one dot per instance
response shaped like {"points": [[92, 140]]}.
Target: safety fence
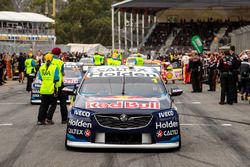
{"points": [[240, 38], [10, 47]]}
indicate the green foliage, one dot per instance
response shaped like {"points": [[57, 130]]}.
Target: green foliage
{"points": [[6, 5], [85, 21]]}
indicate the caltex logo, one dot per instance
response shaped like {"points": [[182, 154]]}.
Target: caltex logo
{"points": [[87, 133], [159, 133]]}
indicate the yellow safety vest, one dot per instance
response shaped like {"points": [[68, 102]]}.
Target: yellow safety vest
{"points": [[59, 63], [47, 75], [139, 61], [28, 66], [97, 60], [109, 61]]}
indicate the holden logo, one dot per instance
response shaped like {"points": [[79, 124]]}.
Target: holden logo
{"points": [[123, 117]]}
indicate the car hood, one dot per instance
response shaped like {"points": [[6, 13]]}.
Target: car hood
{"points": [[128, 104]]}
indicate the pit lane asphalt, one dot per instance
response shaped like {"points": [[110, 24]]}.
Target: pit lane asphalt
{"points": [[212, 135]]}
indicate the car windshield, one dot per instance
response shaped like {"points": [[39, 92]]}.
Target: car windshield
{"points": [[87, 60], [151, 65], [128, 86], [72, 72]]}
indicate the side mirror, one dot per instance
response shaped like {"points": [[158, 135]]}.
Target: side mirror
{"points": [[176, 91], [69, 91]]}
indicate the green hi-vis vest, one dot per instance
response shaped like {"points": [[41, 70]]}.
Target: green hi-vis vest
{"points": [[59, 63], [139, 61], [115, 62], [47, 75], [109, 61], [28, 66], [97, 60], [102, 59]]}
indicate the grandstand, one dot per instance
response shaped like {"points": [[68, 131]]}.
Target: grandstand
{"points": [[20, 31], [161, 25]]}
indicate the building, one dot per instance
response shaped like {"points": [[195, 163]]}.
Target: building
{"points": [[20, 31]]}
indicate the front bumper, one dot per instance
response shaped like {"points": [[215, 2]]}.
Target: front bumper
{"points": [[122, 146]]}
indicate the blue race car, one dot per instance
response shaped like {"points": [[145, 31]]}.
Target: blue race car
{"points": [[123, 107], [73, 76]]}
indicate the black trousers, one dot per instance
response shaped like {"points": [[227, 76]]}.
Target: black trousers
{"points": [[227, 82], [196, 81], [48, 103], [212, 80], [30, 79], [235, 87], [63, 106]]}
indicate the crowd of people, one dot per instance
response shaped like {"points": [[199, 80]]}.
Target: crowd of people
{"points": [[224, 67], [182, 39]]}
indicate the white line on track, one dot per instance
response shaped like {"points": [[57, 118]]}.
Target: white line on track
{"points": [[225, 125], [196, 102], [8, 124], [13, 103]]}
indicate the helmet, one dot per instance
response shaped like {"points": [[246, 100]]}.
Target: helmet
{"points": [[138, 54], [48, 57], [56, 51]]}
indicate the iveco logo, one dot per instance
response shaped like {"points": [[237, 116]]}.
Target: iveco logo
{"points": [[123, 117]]}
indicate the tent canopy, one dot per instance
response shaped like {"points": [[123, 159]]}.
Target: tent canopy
{"points": [[157, 5], [24, 17], [90, 49]]}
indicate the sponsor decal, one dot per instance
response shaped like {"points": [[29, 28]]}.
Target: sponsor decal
{"points": [[149, 105], [121, 104], [81, 113], [87, 133], [166, 124], [36, 95], [121, 74], [79, 123], [166, 114], [160, 133], [70, 81], [75, 131]]}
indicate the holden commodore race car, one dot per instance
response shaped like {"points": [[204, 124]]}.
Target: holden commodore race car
{"points": [[122, 107], [73, 76]]}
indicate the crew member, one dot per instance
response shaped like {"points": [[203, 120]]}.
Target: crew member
{"points": [[109, 60], [226, 66], [61, 95], [21, 67], [30, 67], [186, 74], [98, 60], [139, 61], [245, 77], [1, 69], [235, 73], [195, 67], [212, 73], [49, 75]]}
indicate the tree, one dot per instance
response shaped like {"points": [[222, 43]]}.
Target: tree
{"points": [[6, 5], [85, 21]]}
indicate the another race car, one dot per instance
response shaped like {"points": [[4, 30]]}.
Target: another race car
{"points": [[73, 76], [123, 107], [87, 63]]}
